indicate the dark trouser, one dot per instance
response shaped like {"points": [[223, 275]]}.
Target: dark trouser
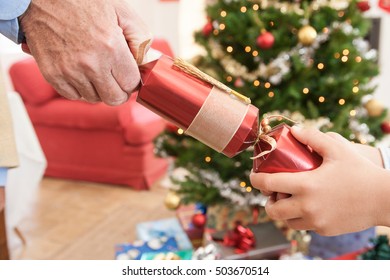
{"points": [[4, 255]]}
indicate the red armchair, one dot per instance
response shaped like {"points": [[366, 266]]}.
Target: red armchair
{"points": [[92, 142]]}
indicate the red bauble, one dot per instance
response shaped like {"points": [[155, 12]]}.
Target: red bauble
{"points": [[265, 40], [207, 29], [239, 83], [385, 126], [385, 5], [363, 5], [199, 220]]}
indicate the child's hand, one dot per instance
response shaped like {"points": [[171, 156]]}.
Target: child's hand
{"points": [[347, 193]]}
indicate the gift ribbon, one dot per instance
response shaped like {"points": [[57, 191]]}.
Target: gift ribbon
{"points": [[266, 128], [242, 238]]}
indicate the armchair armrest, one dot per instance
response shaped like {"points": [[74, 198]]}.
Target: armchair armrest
{"points": [[139, 124]]}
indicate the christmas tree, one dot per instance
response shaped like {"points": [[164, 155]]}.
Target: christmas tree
{"points": [[306, 60]]}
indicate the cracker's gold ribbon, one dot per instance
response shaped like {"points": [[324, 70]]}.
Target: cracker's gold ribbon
{"points": [[264, 129], [193, 71]]}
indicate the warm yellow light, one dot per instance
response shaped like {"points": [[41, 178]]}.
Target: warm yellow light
{"points": [[229, 79], [248, 189], [256, 7], [320, 66], [267, 85], [207, 159], [216, 32], [325, 30], [352, 113], [363, 141], [243, 9], [248, 49], [305, 91], [229, 49], [271, 23], [337, 55], [341, 14], [223, 13], [222, 26], [180, 131], [355, 82], [271, 94], [344, 58], [255, 53], [321, 99], [342, 101], [242, 184], [345, 52], [355, 89], [256, 83], [358, 59]]}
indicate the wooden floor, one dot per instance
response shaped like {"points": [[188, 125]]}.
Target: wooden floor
{"points": [[78, 220]]}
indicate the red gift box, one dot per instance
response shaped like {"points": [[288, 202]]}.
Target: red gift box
{"points": [[289, 156], [185, 214]]}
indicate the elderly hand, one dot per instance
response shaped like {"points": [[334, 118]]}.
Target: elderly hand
{"points": [[87, 49], [347, 193]]}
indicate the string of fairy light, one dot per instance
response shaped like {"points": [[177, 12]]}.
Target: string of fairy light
{"points": [[238, 71]]}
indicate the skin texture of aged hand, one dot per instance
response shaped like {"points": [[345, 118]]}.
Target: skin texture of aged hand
{"points": [[87, 49], [349, 192]]}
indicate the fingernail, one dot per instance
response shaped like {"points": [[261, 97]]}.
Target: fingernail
{"points": [[297, 127]]}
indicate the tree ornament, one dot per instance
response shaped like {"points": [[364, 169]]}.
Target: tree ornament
{"points": [[172, 200], [199, 220], [207, 29], [385, 126], [385, 5], [374, 108], [238, 83], [363, 6], [307, 35], [265, 40]]}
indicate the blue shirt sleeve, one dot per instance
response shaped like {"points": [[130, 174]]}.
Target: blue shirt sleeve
{"points": [[9, 13], [3, 176]]}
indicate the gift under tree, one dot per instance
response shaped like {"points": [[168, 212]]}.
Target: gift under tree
{"points": [[305, 60]]}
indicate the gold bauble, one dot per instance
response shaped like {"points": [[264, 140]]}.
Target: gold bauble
{"points": [[374, 108], [307, 34], [172, 200]]}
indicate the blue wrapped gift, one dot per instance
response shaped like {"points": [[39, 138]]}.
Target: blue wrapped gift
{"points": [[166, 227], [135, 250]]}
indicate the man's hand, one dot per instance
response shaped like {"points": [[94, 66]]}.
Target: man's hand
{"points": [[87, 49]]}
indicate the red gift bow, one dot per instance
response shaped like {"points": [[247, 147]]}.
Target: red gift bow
{"points": [[242, 238]]}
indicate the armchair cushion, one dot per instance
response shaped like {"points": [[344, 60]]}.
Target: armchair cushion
{"points": [[29, 82]]}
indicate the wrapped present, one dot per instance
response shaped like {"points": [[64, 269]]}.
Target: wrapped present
{"points": [[166, 227], [170, 256], [135, 250], [218, 116], [224, 217], [270, 243], [193, 220]]}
